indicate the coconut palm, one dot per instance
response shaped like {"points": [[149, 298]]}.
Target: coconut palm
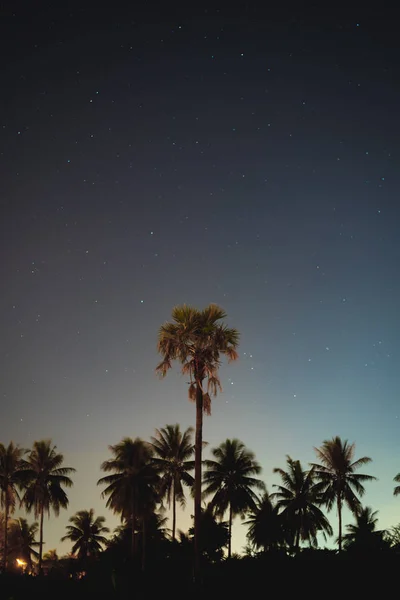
{"points": [[338, 481], [87, 534], [266, 526], [132, 486], [51, 561], [297, 500], [396, 490], [12, 479], [393, 536], [213, 535], [197, 339], [46, 480], [363, 535], [173, 449], [230, 478], [22, 537]]}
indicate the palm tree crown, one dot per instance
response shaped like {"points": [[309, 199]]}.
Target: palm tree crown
{"points": [[338, 481], [12, 479], [197, 339], [23, 540], [47, 478], [363, 535], [396, 490], [132, 486], [266, 529], [173, 449], [87, 533], [230, 477], [297, 500]]}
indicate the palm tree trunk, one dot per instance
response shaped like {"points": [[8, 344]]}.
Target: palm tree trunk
{"points": [[230, 532], [144, 544], [197, 479], [173, 510], [41, 539], [6, 511], [133, 525], [297, 542], [339, 506]]}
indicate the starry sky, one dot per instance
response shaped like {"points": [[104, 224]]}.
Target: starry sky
{"points": [[171, 154]]}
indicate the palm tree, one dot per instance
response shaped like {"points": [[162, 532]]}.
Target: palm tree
{"points": [[51, 560], [87, 534], [46, 480], [12, 479], [297, 500], [214, 535], [173, 449], [338, 481], [230, 477], [197, 339], [363, 535], [396, 490], [132, 486], [23, 541], [266, 526], [393, 536]]}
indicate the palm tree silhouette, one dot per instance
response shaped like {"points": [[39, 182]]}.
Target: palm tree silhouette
{"points": [[173, 449], [197, 339], [12, 479], [338, 481], [46, 479], [363, 535], [297, 500], [214, 535], [266, 526], [87, 534], [23, 541], [230, 477], [132, 486], [396, 490]]}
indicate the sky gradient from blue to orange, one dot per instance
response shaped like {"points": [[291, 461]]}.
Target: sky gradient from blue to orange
{"points": [[163, 157]]}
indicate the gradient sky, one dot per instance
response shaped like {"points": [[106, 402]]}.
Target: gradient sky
{"points": [[197, 155]]}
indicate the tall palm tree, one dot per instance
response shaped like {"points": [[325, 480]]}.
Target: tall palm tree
{"points": [[23, 541], [132, 486], [230, 477], [87, 534], [297, 500], [12, 479], [47, 478], [338, 481], [197, 339], [363, 535], [266, 526], [396, 490], [173, 449]]}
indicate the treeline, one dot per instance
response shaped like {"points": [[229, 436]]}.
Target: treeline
{"points": [[142, 478]]}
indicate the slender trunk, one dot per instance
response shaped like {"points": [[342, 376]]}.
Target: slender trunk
{"points": [[230, 532], [297, 542], [133, 525], [6, 511], [339, 506], [173, 510], [41, 539], [144, 545], [197, 480]]}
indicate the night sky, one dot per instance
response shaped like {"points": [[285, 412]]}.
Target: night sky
{"points": [[156, 156]]}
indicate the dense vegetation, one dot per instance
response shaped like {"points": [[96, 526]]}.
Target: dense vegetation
{"points": [[285, 526]]}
